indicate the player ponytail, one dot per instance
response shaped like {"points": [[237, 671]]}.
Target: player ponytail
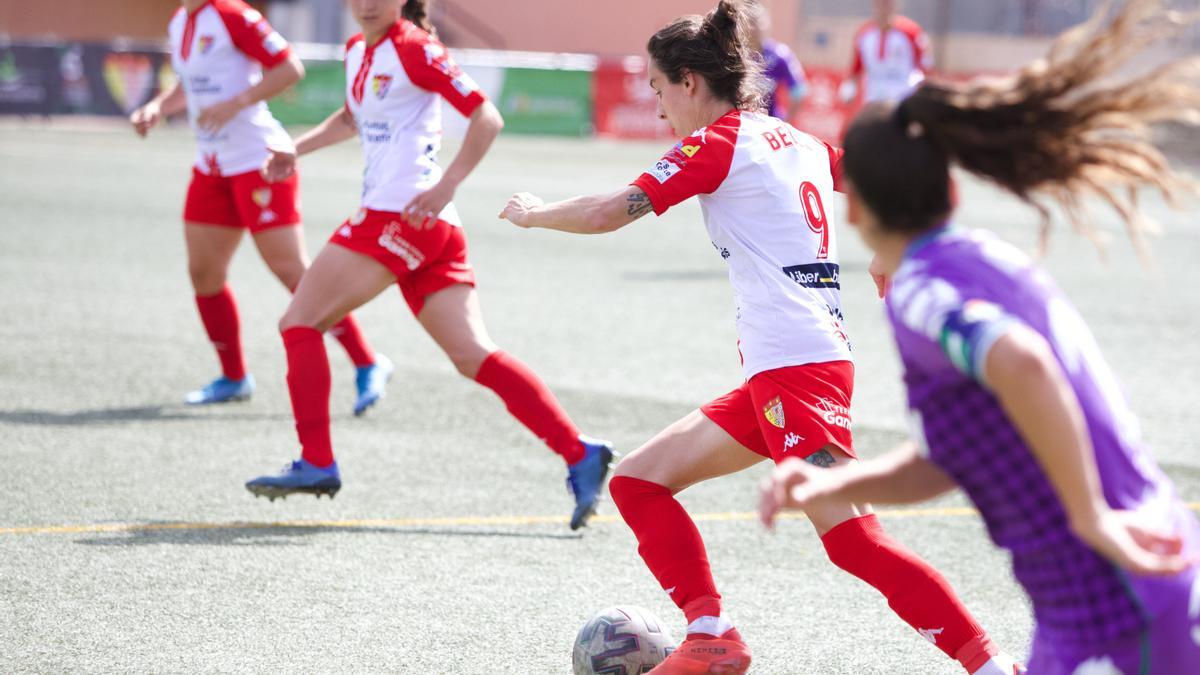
{"points": [[715, 47], [1056, 131], [417, 11]]}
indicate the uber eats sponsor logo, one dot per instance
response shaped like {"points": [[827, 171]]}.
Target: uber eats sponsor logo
{"points": [[815, 275]]}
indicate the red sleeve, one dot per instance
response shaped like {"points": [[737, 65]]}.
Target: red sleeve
{"points": [[354, 39], [430, 67], [835, 167], [696, 165], [922, 54], [251, 33], [856, 66]]}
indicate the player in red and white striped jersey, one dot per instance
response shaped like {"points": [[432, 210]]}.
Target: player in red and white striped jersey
{"points": [[764, 188], [230, 62], [891, 56], [408, 233]]}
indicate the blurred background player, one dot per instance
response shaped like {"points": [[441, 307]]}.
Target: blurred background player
{"points": [[229, 62], [757, 179], [891, 57], [1010, 396], [780, 65], [408, 233]]}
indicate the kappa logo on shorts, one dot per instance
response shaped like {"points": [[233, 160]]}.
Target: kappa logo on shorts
{"points": [[397, 245], [792, 440], [262, 197], [773, 411], [344, 231]]}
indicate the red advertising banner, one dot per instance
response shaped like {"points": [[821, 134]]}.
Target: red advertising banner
{"points": [[625, 106], [822, 113]]}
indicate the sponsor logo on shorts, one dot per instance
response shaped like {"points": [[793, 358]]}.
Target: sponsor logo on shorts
{"points": [[834, 414], [381, 84], [397, 245], [773, 411], [816, 275], [344, 231], [791, 440], [205, 43]]}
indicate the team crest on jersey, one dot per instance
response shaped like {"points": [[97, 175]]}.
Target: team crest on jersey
{"points": [[773, 411], [205, 43], [262, 197], [381, 84]]}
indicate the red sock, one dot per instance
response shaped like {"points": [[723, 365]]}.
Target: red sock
{"points": [[669, 543], [353, 341], [220, 316], [915, 591], [533, 404], [309, 383]]}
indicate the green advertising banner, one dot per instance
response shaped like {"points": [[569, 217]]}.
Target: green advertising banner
{"points": [[543, 101], [321, 92]]}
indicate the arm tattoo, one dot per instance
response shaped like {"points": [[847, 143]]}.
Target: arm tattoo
{"points": [[639, 204], [821, 458]]}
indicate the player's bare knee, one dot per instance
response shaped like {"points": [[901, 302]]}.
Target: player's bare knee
{"points": [[468, 361], [825, 514], [206, 279]]}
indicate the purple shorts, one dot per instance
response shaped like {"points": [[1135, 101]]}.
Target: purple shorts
{"points": [[1169, 644]]}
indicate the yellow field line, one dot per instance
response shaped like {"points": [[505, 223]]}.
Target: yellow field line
{"points": [[464, 521]]}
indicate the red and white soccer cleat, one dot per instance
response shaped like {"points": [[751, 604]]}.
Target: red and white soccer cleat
{"points": [[718, 656]]}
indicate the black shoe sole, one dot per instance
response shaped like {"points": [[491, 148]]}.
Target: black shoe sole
{"points": [[272, 493]]}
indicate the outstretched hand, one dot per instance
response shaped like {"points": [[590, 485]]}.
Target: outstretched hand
{"points": [[792, 485], [518, 208], [279, 165], [145, 118], [1118, 536]]}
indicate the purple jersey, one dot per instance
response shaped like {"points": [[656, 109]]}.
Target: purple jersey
{"points": [[955, 294], [783, 70]]}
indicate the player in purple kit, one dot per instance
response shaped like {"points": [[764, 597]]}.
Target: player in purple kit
{"points": [[780, 66], [1010, 396]]}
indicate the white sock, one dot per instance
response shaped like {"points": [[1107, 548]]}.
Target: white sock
{"points": [[712, 625], [1000, 664]]}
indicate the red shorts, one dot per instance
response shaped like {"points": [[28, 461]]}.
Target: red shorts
{"points": [[790, 412], [424, 260], [245, 200]]}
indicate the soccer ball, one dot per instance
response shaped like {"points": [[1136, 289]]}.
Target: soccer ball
{"points": [[621, 641]]}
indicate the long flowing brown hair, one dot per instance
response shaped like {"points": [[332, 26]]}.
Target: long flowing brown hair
{"points": [[1062, 128]]}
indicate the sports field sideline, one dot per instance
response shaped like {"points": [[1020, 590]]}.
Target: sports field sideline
{"points": [[127, 542]]}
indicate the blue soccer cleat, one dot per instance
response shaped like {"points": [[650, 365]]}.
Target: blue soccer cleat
{"points": [[371, 382], [222, 390], [299, 477], [585, 478]]}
